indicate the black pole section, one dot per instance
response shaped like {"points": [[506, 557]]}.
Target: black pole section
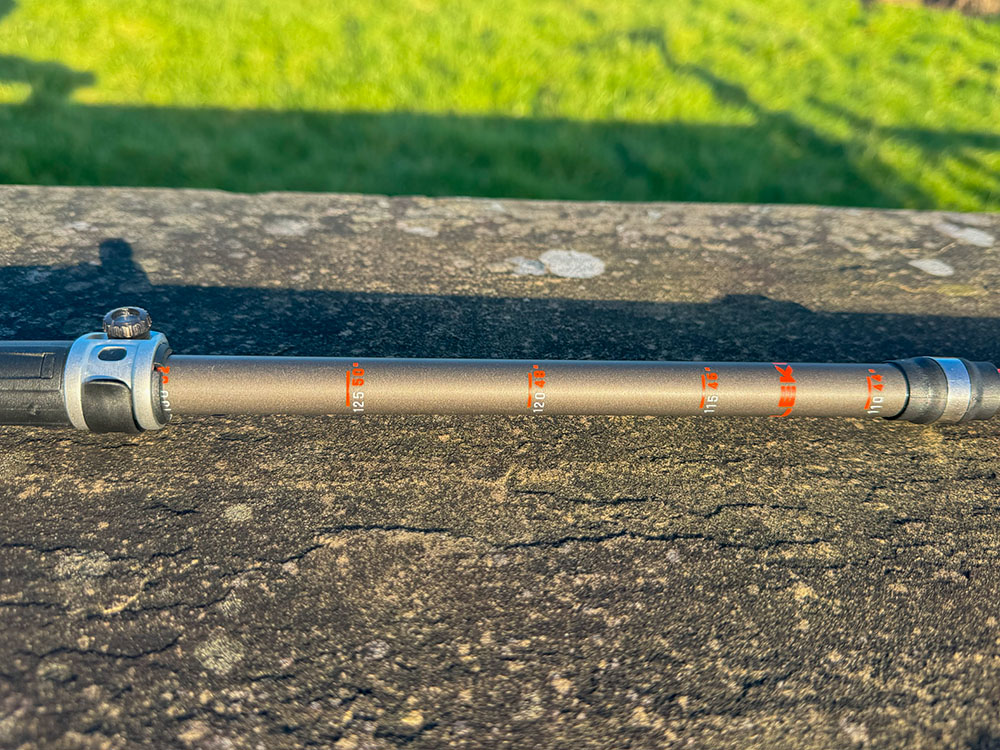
{"points": [[31, 383]]}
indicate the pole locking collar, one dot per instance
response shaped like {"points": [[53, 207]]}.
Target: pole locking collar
{"points": [[111, 380]]}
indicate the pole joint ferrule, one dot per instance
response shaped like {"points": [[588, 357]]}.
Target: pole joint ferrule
{"points": [[948, 390]]}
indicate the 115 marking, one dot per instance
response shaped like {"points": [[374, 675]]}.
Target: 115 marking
{"points": [[709, 400]]}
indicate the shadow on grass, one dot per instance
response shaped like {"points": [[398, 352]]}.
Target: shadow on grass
{"points": [[777, 159], [407, 153], [249, 320], [50, 82]]}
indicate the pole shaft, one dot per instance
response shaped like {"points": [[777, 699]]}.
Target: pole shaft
{"points": [[305, 385]]}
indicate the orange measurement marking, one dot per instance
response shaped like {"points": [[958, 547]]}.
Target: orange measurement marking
{"points": [[874, 384], [359, 379], [536, 380], [709, 379]]}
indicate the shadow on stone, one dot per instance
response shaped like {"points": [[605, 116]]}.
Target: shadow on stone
{"points": [[985, 740], [45, 302]]}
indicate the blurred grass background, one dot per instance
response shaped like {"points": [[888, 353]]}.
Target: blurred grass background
{"points": [[806, 101]]}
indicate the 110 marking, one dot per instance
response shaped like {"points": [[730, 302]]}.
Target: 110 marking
{"points": [[875, 399], [164, 393]]}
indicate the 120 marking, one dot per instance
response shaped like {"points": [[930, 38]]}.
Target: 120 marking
{"points": [[536, 394]]}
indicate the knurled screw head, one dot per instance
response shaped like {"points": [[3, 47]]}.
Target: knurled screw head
{"points": [[127, 323]]}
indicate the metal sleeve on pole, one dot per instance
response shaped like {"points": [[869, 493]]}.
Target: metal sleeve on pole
{"points": [[959, 395]]}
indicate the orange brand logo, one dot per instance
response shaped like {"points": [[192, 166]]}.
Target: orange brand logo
{"points": [[787, 399]]}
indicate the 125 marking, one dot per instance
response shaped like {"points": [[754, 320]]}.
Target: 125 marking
{"points": [[355, 399]]}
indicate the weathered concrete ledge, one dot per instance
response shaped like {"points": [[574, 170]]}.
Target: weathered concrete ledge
{"points": [[495, 582]]}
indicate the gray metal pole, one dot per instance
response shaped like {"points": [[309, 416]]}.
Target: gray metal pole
{"points": [[294, 385], [127, 379]]}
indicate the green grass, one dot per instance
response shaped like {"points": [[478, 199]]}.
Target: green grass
{"points": [[803, 101]]}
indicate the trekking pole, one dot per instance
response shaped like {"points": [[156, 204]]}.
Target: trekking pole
{"points": [[127, 379]]}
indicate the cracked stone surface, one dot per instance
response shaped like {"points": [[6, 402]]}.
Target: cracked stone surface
{"points": [[501, 581]]}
